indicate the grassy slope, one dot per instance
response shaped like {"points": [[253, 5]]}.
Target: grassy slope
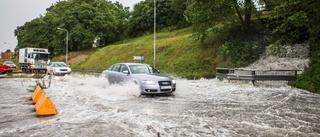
{"points": [[177, 54]]}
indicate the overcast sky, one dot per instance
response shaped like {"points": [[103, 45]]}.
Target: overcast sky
{"points": [[15, 13]]}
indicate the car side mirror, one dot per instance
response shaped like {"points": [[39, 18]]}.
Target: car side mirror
{"points": [[125, 72]]}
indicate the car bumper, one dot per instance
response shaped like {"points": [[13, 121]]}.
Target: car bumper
{"points": [[157, 89], [62, 72]]}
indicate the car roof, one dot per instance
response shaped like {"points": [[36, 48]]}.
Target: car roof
{"points": [[132, 63]]}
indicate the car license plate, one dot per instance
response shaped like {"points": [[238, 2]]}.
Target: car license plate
{"points": [[165, 87]]}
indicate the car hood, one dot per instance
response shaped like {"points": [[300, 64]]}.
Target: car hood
{"points": [[152, 76]]}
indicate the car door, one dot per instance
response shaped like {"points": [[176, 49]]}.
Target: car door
{"points": [[123, 74], [113, 73]]}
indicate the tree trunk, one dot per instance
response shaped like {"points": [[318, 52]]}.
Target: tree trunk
{"points": [[248, 12], [239, 15]]}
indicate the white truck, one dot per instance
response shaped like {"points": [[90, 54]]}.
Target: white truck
{"points": [[34, 59]]}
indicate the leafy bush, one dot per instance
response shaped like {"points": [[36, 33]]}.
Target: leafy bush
{"points": [[310, 79], [237, 54]]}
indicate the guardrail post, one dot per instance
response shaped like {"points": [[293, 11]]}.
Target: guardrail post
{"points": [[253, 73]]}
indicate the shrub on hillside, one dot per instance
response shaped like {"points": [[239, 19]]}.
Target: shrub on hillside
{"points": [[237, 54]]}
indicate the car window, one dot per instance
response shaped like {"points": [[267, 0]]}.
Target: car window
{"points": [[116, 67], [139, 69], [123, 68], [153, 70]]}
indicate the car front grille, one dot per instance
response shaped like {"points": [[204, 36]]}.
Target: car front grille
{"points": [[165, 83], [63, 69]]}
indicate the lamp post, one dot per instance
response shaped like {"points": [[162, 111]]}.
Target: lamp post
{"points": [[154, 34], [66, 43], [9, 44]]}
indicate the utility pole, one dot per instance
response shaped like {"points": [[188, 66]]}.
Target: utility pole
{"points": [[154, 33]]}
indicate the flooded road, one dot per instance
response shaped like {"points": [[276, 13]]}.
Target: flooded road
{"points": [[89, 106]]}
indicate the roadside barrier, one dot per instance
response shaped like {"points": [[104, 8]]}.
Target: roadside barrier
{"points": [[256, 75], [44, 105], [36, 94]]}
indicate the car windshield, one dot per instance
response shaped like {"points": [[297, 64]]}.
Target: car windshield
{"points": [[9, 62], [142, 69], [62, 64]]}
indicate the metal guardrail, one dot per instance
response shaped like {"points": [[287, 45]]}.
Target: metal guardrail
{"points": [[256, 75], [87, 71]]}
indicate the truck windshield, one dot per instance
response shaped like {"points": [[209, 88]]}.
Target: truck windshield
{"points": [[40, 56]]}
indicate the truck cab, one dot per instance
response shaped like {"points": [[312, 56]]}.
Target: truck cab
{"points": [[34, 59]]}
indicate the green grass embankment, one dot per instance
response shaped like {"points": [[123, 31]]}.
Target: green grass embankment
{"points": [[177, 54]]}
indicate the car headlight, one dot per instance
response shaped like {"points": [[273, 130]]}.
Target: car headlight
{"points": [[148, 82], [173, 82]]}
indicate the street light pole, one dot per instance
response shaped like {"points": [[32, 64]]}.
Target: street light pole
{"points": [[9, 44], [66, 43], [154, 34]]}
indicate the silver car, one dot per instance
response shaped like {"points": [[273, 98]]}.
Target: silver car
{"points": [[150, 80], [10, 64], [58, 68]]}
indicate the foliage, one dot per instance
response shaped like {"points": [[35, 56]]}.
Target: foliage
{"points": [[169, 13], [291, 22], [96, 22], [237, 54], [204, 15], [298, 21], [310, 79]]}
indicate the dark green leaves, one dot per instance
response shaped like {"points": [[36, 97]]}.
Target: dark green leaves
{"points": [[85, 20]]}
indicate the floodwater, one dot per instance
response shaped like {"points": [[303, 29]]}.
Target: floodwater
{"points": [[89, 106]]}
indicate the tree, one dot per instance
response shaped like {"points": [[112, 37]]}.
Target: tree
{"points": [[88, 22], [141, 20], [169, 14], [207, 13], [291, 21], [297, 22], [8, 51]]}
